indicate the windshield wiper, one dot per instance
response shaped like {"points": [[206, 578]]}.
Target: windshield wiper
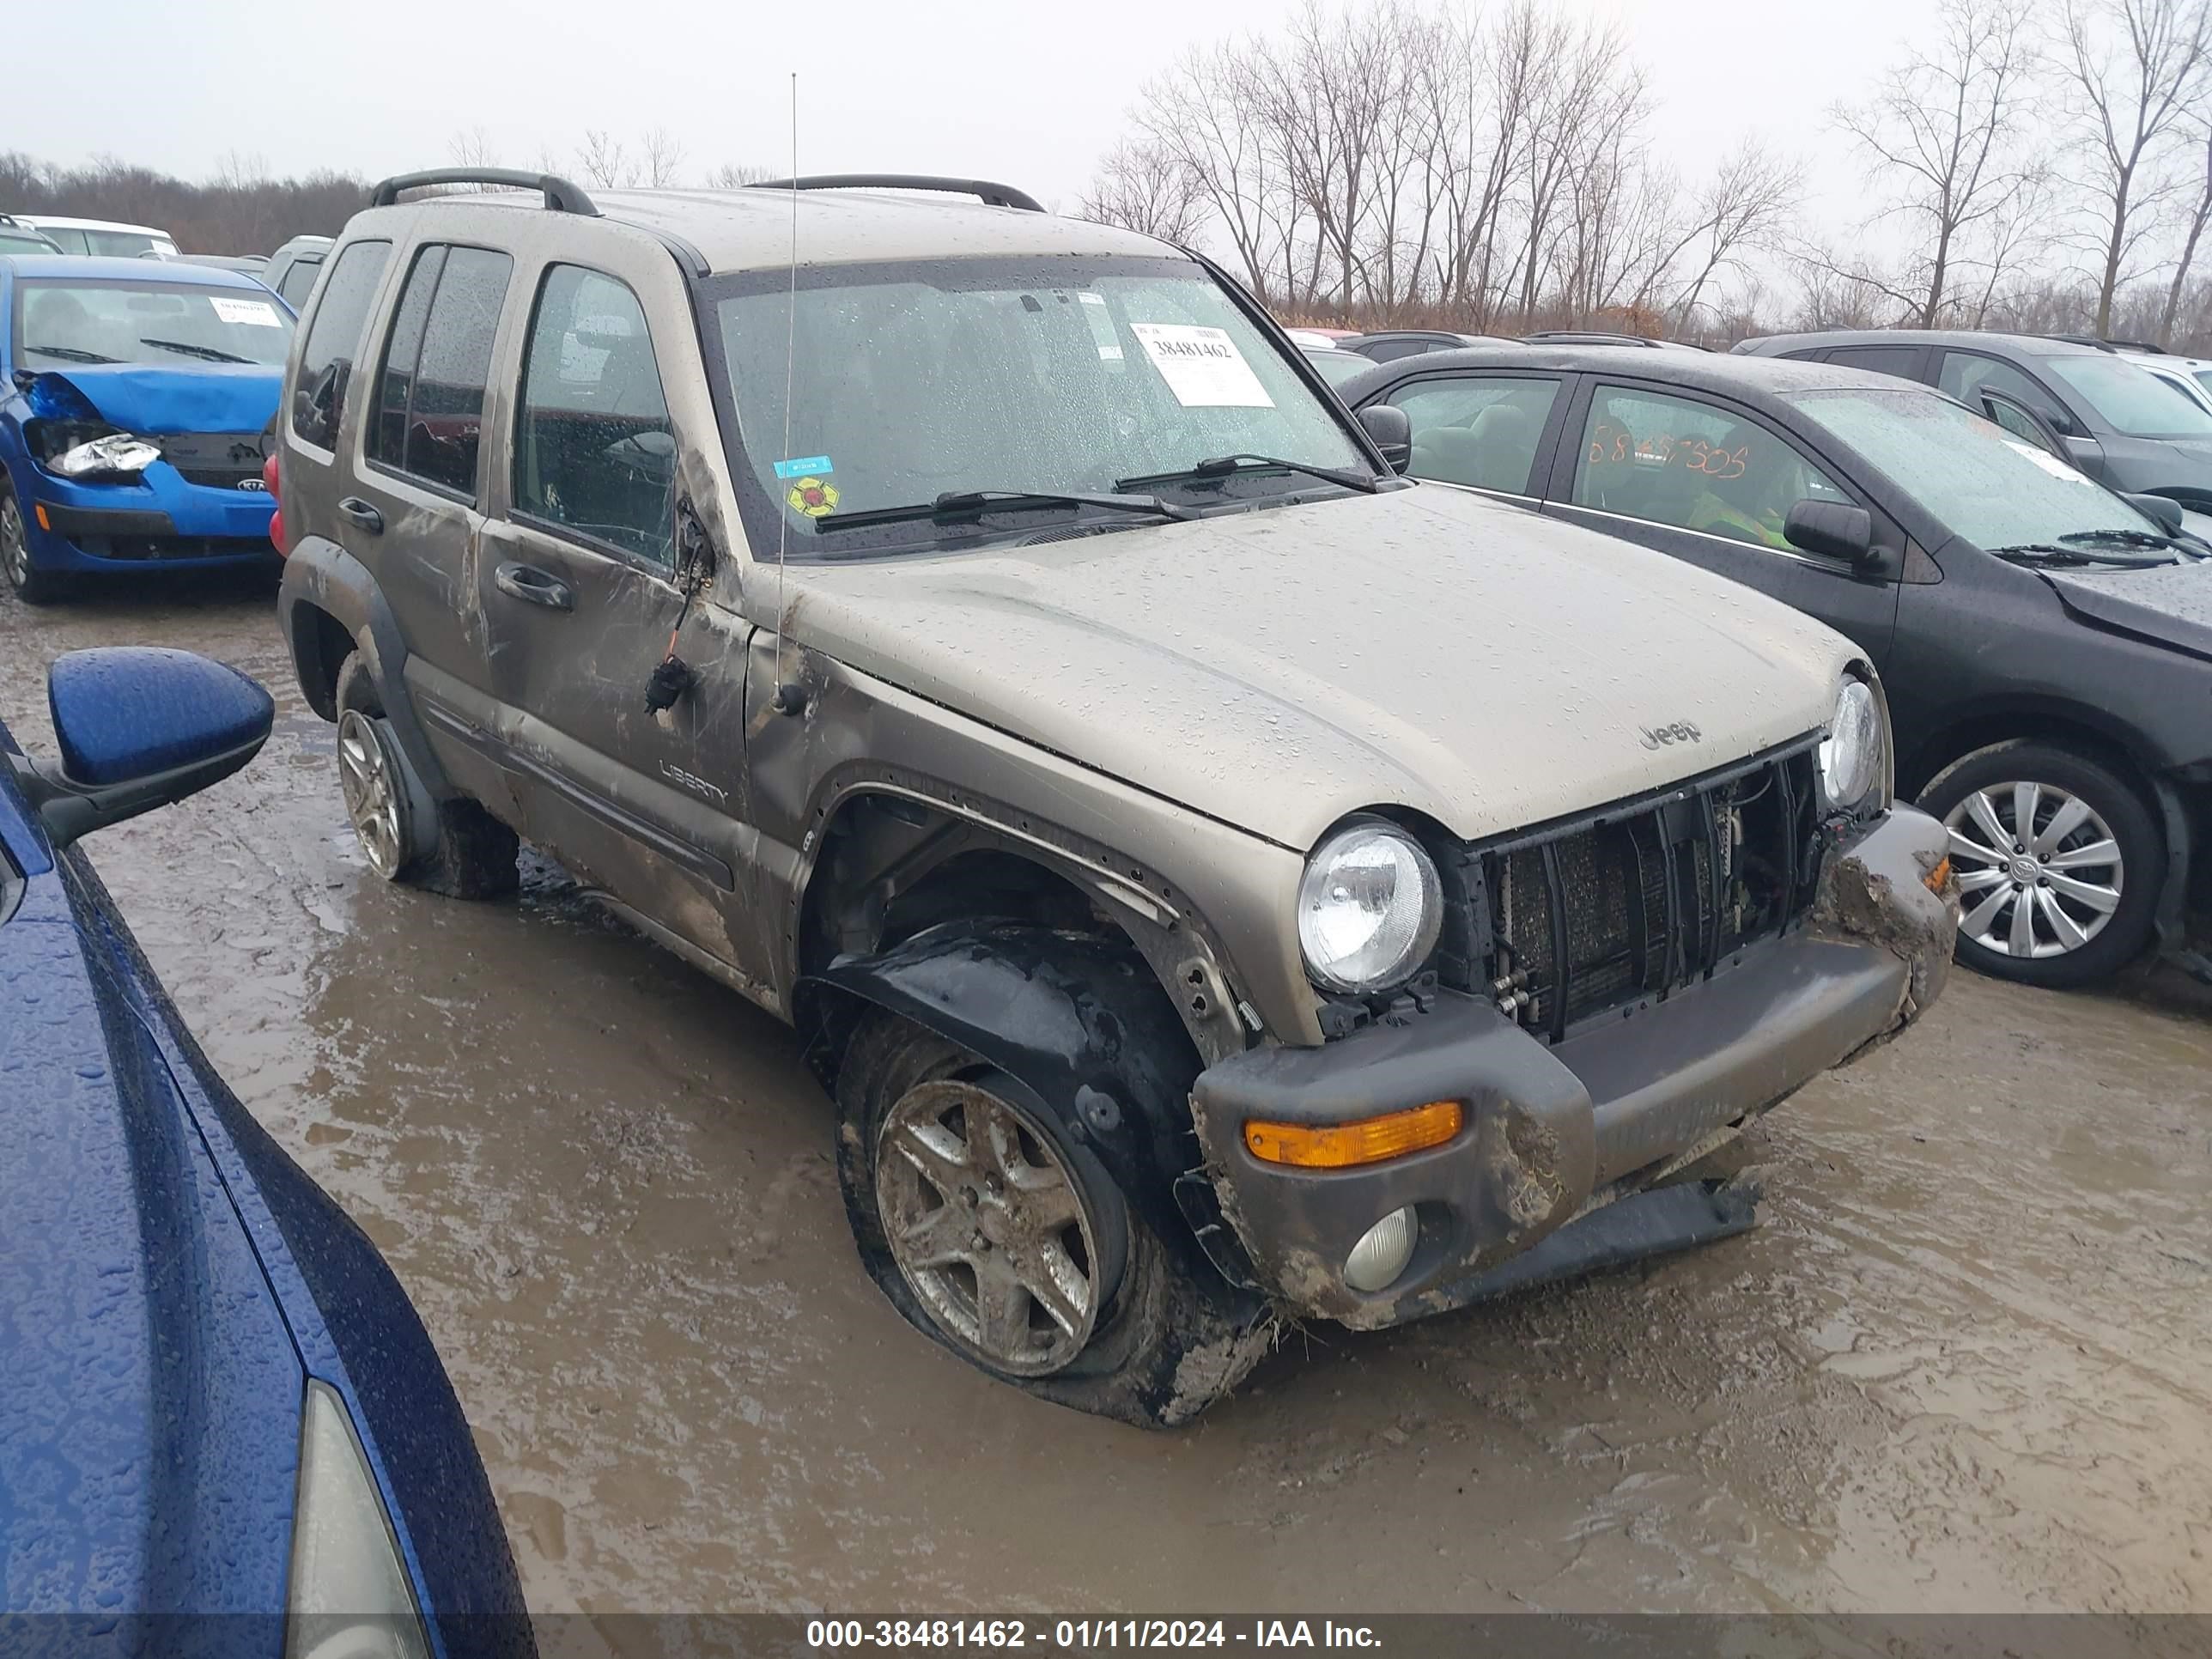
{"points": [[969, 503], [2174, 545], [2046, 553], [210, 353], [71, 354], [1220, 466]]}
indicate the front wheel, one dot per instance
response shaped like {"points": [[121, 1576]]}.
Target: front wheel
{"points": [[994, 1231], [32, 586], [2059, 863]]}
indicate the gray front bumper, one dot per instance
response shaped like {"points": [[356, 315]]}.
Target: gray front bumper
{"points": [[1548, 1127]]}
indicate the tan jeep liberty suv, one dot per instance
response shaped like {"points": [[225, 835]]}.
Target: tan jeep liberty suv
{"points": [[1218, 880]]}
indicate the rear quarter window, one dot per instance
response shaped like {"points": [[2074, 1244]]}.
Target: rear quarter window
{"points": [[334, 338]]}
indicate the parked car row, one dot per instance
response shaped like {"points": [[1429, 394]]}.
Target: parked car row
{"points": [[2043, 640]]}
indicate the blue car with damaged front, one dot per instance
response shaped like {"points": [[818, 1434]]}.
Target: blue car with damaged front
{"points": [[136, 398], [223, 1430]]}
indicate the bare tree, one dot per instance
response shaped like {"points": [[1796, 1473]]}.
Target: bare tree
{"points": [[2132, 68], [736, 175], [602, 160], [2201, 133], [1143, 186], [1743, 207], [1945, 131], [663, 157], [471, 147]]}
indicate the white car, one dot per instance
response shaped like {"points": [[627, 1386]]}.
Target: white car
{"points": [[2190, 376], [103, 236]]}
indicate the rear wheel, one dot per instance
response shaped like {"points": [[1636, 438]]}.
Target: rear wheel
{"points": [[470, 853], [32, 586], [996, 1231], [2059, 862]]}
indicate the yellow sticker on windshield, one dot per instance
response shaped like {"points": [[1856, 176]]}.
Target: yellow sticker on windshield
{"points": [[814, 497]]}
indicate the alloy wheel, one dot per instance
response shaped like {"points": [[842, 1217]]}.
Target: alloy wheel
{"points": [[14, 543], [371, 792], [988, 1227], [2039, 870]]}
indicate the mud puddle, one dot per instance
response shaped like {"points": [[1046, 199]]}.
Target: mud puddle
{"points": [[1965, 1364]]}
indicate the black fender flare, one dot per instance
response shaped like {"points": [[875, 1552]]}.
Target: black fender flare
{"points": [[321, 572], [1079, 1021]]}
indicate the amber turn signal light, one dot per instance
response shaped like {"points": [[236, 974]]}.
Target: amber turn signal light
{"points": [[1347, 1145], [1940, 877]]}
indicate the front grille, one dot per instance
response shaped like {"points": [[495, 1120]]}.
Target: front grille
{"points": [[1637, 900], [222, 460]]}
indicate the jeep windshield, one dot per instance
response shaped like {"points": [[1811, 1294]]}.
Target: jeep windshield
{"points": [[1984, 484], [1036, 378], [173, 324]]}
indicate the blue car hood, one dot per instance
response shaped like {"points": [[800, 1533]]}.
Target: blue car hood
{"points": [[149, 1390], [189, 398]]}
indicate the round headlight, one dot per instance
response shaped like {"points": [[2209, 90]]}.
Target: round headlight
{"points": [[1850, 754], [1369, 908]]}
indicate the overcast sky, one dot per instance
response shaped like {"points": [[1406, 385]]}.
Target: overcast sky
{"points": [[1029, 94]]}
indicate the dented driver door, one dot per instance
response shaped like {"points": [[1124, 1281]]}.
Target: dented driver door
{"points": [[579, 591]]}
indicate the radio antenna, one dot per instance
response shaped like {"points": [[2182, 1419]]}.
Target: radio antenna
{"points": [[790, 697]]}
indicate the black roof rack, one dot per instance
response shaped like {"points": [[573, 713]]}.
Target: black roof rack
{"points": [[561, 195], [2104, 344], [1587, 337], [992, 195]]}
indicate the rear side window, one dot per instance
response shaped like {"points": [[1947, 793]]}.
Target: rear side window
{"points": [[429, 414], [67, 240], [1902, 360], [334, 343], [594, 451]]}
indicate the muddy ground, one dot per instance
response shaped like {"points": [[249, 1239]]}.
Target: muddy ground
{"points": [[1965, 1362]]}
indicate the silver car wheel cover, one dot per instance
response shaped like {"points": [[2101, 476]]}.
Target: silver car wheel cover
{"points": [[15, 541], [988, 1227], [2039, 872], [372, 793]]}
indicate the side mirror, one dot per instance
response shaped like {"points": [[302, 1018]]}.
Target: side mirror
{"points": [[138, 727], [1392, 430], [1832, 529], [2162, 510]]}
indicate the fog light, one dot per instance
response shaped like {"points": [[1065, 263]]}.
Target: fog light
{"points": [[1382, 1251]]}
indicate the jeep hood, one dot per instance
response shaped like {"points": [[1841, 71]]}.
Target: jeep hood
{"points": [[1277, 669], [148, 400]]}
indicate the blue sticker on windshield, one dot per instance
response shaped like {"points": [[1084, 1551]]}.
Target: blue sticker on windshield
{"points": [[804, 466]]}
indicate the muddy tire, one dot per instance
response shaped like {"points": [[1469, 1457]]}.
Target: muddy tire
{"points": [[1143, 1342], [2069, 897], [30, 584], [471, 854]]}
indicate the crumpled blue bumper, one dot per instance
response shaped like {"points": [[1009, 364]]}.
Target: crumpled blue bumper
{"points": [[163, 519]]}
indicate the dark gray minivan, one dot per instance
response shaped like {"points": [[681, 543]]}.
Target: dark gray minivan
{"points": [[2125, 428]]}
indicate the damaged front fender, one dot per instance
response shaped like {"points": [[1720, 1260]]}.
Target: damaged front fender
{"points": [[1078, 1020]]}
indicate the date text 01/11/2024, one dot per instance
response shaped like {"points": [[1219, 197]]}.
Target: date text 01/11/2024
{"points": [[1086, 1633]]}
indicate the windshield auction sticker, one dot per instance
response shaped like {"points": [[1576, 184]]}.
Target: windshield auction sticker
{"points": [[259, 313], [1201, 366]]}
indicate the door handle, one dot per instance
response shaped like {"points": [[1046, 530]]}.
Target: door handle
{"points": [[533, 586], [361, 512]]}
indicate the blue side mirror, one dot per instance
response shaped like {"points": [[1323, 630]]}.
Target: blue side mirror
{"points": [[139, 728]]}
